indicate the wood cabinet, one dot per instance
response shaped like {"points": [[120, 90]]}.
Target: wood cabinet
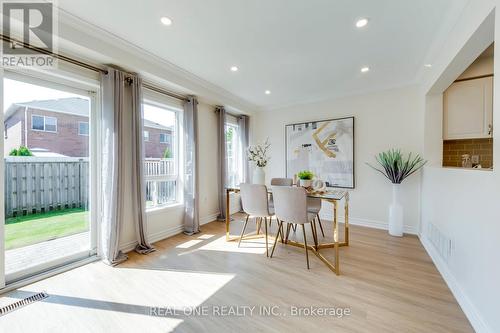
{"points": [[468, 109]]}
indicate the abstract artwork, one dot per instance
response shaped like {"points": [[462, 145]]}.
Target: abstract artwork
{"points": [[324, 147]]}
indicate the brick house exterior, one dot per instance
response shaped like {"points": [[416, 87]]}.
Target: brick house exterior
{"points": [[68, 137]]}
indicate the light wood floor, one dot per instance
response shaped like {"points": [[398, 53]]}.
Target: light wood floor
{"points": [[389, 285]]}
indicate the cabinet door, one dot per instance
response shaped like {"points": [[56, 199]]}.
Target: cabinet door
{"points": [[468, 109]]}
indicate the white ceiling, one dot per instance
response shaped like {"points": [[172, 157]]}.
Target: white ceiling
{"points": [[301, 50]]}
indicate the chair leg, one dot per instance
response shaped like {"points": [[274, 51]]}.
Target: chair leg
{"points": [[243, 231], [280, 231], [280, 228], [320, 225], [294, 227], [265, 228], [258, 221], [305, 244], [288, 227], [314, 232]]}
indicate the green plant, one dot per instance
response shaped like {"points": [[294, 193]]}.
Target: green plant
{"points": [[305, 175], [167, 153], [396, 167], [22, 151]]}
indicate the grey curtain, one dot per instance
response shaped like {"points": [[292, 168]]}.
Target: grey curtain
{"points": [[221, 160], [244, 124], [122, 177], [191, 199]]}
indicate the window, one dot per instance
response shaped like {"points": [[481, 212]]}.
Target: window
{"points": [[83, 128], [43, 123], [234, 155], [66, 218], [165, 138], [161, 162]]}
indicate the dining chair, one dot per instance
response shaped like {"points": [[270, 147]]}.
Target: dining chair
{"points": [[314, 206], [255, 205], [278, 182], [291, 208]]}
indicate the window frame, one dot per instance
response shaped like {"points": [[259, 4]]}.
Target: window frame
{"points": [[237, 154], [166, 135], [175, 146], [145, 137], [79, 128], [44, 123]]}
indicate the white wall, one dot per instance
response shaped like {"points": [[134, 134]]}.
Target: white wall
{"points": [[383, 120], [462, 204]]}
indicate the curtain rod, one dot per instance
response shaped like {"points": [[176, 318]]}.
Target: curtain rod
{"points": [[85, 65], [228, 113]]}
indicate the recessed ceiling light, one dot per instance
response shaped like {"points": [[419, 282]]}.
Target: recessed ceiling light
{"points": [[234, 68], [365, 69], [166, 20], [428, 65], [361, 22], [267, 92]]}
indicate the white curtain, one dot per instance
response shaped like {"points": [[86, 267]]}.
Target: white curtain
{"points": [[191, 198], [243, 125], [122, 176], [221, 160]]}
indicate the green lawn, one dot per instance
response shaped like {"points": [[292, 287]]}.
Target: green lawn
{"points": [[36, 228]]}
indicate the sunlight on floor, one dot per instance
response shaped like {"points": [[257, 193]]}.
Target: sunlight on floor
{"points": [[256, 246], [189, 244]]}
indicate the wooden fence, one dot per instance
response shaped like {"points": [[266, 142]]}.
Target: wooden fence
{"points": [[41, 184]]}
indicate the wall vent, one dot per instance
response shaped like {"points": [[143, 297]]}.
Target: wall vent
{"points": [[440, 241]]}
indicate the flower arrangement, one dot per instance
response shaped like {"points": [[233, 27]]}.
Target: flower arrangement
{"points": [[258, 154], [396, 167]]}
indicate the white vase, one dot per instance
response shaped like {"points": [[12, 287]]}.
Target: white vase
{"points": [[259, 176], [305, 182], [395, 213]]}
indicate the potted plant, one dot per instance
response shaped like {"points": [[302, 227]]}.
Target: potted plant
{"points": [[396, 167], [305, 178], [258, 155]]}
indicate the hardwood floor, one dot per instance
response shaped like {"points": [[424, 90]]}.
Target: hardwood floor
{"points": [[388, 284]]}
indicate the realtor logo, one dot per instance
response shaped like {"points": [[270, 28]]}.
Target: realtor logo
{"points": [[28, 30]]}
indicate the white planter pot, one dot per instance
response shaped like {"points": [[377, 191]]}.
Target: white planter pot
{"points": [[259, 176], [305, 182], [396, 213]]}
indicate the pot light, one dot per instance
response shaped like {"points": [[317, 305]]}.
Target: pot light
{"points": [[427, 65], [166, 21], [365, 69], [234, 68], [267, 92], [361, 22]]}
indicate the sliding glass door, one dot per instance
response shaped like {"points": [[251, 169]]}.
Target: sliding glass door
{"points": [[48, 175]]}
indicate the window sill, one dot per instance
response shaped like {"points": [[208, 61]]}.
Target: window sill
{"points": [[161, 209]]}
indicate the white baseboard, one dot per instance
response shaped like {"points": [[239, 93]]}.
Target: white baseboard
{"points": [[208, 218], [468, 308], [158, 236], [408, 229]]}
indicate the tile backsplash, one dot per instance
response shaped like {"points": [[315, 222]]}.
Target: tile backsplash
{"points": [[454, 149]]}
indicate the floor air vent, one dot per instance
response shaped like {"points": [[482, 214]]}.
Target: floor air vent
{"points": [[26, 301]]}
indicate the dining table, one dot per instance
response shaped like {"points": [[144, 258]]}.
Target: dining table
{"points": [[331, 195]]}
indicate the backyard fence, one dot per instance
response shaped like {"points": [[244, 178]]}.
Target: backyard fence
{"points": [[41, 184]]}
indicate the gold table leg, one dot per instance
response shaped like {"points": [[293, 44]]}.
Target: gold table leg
{"points": [[336, 238]]}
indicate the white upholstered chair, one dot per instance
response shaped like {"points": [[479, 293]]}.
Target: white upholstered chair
{"points": [[314, 206], [255, 204], [290, 204]]}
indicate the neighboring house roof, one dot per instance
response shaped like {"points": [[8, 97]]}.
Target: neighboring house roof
{"points": [[72, 105]]}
